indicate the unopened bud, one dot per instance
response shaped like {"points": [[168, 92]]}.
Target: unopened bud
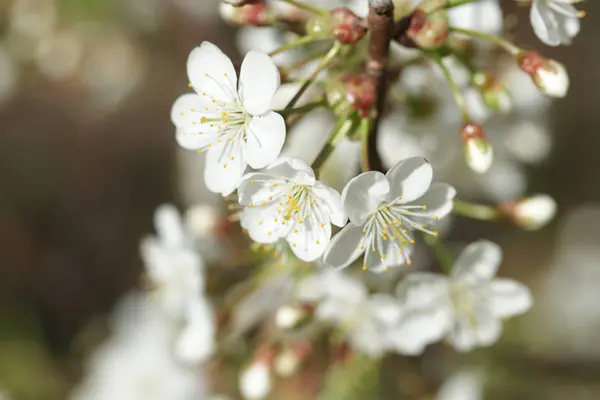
{"points": [[479, 153], [287, 317], [253, 13], [531, 213], [494, 94], [288, 361], [255, 380], [352, 92], [426, 31], [549, 76], [347, 27]]}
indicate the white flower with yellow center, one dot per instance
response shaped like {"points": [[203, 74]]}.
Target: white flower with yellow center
{"points": [[384, 210], [230, 119], [286, 201], [467, 307], [555, 22]]}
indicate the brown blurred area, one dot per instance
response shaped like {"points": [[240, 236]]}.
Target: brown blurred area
{"points": [[79, 182]]}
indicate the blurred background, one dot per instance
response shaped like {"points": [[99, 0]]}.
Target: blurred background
{"points": [[87, 152]]}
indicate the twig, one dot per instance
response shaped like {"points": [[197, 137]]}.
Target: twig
{"points": [[381, 24]]}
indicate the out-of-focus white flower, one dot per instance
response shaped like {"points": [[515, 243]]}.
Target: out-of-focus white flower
{"points": [[463, 385], [528, 141], [136, 362], [468, 306], [231, 120], [32, 18], [286, 201], [533, 212], [482, 16], [383, 212], [255, 381], [201, 220], [176, 271], [555, 22], [365, 320], [58, 55], [9, 74]]}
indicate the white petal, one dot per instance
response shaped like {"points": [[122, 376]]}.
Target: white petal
{"points": [[385, 308], [395, 255], [261, 190], [220, 84], [196, 342], [185, 110], [291, 169], [330, 201], [478, 262], [167, 222], [259, 79], [480, 329], [439, 200], [363, 194], [222, 174], [264, 224], [344, 249], [310, 238], [265, 137], [333, 284], [423, 290], [192, 139], [417, 329], [544, 23], [507, 298], [410, 179]]}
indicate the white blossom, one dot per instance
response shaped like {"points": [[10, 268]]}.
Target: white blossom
{"points": [[137, 361], [175, 270], [483, 16], [555, 22], [384, 210], [286, 201], [231, 120], [366, 320], [468, 306]]}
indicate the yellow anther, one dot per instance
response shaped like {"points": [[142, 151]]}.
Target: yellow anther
{"points": [[362, 247], [409, 262], [364, 268], [224, 165], [436, 218], [373, 249], [251, 205], [295, 230], [322, 225], [412, 242], [252, 181], [269, 233], [190, 85], [274, 185], [270, 197], [318, 242], [435, 234], [383, 257], [364, 230], [293, 244], [244, 230], [424, 207], [206, 75], [225, 74], [261, 222], [276, 220], [263, 204]]}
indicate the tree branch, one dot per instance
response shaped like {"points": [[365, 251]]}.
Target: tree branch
{"points": [[381, 25]]}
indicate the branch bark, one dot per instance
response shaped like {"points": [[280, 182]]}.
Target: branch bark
{"points": [[381, 25]]}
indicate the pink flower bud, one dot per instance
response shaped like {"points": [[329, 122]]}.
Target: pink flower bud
{"points": [[479, 153], [549, 76]]}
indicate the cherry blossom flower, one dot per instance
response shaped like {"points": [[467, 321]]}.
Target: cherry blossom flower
{"points": [[137, 362], [233, 123], [468, 306], [286, 201], [366, 320], [175, 270], [383, 212], [555, 22]]}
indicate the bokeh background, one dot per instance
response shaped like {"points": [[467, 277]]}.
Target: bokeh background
{"points": [[87, 153]]}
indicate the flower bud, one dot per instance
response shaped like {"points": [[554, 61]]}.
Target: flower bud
{"points": [[287, 317], [479, 153], [255, 381], [549, 76], [347, 27], [494, 94], [352, 92], [253, 13], [531, 213], [426, 31], [286, 363]]}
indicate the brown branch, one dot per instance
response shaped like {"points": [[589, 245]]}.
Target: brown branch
{"points": [[381, 25]]}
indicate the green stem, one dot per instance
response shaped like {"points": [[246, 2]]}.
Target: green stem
{"points": [[343, 127], [456, 3], [365, 129], [308, 81], [456, 92], [303, 6], [302, 109], [509, 47], [476, 211], [300, 42], [443, 255]]}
